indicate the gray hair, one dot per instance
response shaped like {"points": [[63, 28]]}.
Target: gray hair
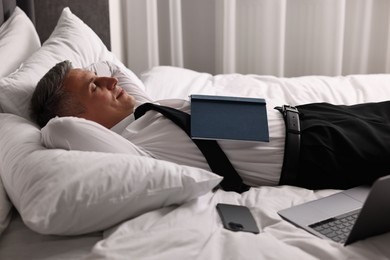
{"points": [[50, 99]]}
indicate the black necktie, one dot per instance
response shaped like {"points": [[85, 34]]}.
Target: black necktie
{"points": [[215, 157]]}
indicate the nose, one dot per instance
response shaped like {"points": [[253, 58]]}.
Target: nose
{"points": [[107, 82]]}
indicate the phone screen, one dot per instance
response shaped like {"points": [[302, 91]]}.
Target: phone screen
{"points": [[237, 218]]}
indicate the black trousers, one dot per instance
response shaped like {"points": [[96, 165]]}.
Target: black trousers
{"points": [[343, 146]]}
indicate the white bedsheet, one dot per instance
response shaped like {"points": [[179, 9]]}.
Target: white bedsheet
{"points": [[194, 231], [167, 82], [18, 242]]}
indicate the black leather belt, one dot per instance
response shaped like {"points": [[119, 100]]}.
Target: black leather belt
{"points": [[292, 145]]}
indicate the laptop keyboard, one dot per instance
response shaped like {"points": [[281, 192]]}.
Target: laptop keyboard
{"points": [[337, 228]]}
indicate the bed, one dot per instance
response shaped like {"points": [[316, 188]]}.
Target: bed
{"points": [[59, 204]]}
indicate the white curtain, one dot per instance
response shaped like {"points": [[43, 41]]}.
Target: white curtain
{"points": [[268, 37]]}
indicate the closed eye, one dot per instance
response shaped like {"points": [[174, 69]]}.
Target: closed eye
{"points": [[93, 82], [94, 87]]}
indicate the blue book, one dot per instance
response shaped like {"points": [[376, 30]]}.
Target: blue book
{"points": [[232, 118]]}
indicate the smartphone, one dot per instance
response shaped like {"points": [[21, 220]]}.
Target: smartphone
{"points": [[237, 218]]}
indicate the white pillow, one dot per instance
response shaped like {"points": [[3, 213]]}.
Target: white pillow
{"points": [[73, 192], [71, 40], [18, 40], [73, 133]]}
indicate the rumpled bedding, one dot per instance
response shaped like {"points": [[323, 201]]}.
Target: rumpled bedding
{"points": [[194, 231]]}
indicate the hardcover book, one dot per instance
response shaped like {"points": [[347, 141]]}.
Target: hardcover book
{"points": [[226, 117]]}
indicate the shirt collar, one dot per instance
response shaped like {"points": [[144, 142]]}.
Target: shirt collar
{"points": [[121, 126]]}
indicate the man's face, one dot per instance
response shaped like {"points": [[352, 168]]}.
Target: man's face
{"points": [[104, 101]]}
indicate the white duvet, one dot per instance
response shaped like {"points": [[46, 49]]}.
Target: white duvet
{"points": [[194, 230]]}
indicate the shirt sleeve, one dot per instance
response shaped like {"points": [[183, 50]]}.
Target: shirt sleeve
{"points": [[73, 133]]}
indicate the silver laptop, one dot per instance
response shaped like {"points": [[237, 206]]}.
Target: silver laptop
{"points": [[348, 216]]}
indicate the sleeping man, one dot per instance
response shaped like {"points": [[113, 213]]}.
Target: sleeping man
{"points": [[93, 109]]}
